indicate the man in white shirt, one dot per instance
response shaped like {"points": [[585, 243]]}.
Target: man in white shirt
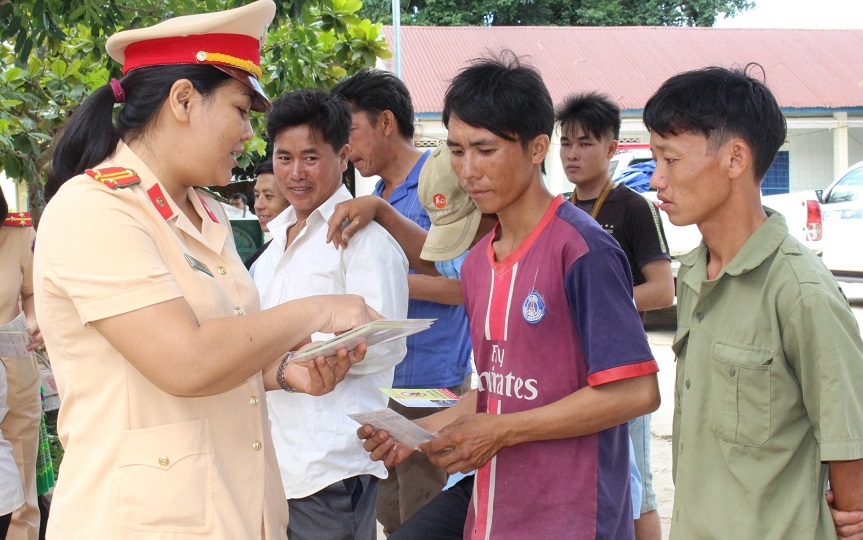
{"points": [[330, 483]]}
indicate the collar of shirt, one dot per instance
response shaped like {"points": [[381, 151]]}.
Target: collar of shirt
{"points": [[761, 245], [279, 225], [212, 234], [411, 182]]}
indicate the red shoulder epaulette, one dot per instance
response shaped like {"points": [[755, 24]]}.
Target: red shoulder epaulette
{"points": [[18, 219], [115, 177]]}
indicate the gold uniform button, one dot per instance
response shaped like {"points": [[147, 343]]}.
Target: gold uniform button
{"points": [[253, 400], [164, 461], [239, 311], [223, 270], [256, 445]]}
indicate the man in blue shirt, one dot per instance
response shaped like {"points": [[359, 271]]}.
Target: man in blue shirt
{"points": [[381, 143]]}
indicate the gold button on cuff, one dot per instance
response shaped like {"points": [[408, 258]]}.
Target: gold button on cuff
{"points": [[253, 400], [164, 461], [256, 445], [239, 311], [223, 270]]}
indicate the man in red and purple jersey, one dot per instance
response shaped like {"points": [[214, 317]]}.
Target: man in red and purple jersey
{"points": [[562, 358]]}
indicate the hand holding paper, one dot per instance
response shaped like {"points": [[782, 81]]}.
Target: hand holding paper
{"points": [[373, 333]]}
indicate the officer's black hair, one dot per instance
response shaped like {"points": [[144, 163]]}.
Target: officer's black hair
{"points": [[264, 167], [502, 95], [92, 132], [374, 91], [4, 207], [324, 113], [595, 113], [719, 104]]}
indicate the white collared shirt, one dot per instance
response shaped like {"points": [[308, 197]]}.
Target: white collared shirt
{"points": [[316, 443]]}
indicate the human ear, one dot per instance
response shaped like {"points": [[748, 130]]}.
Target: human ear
{"points": [[538, 148], [344, 154], [739, 158], [387, 121], [179, 97], [612, 148]]}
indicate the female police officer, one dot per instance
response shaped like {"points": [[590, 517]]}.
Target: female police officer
{"points": [[150, 318]]}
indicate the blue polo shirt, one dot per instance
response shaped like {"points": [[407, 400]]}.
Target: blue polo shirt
{"points": [[440, 356]]}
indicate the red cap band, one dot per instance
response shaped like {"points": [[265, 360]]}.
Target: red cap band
{"points": [[184, 50]]}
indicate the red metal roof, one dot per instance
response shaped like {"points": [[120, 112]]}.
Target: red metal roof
{"points": [[805, 68]]}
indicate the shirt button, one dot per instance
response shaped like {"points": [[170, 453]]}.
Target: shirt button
{"points": [[239, 311], [253, 400], [686, 383], [732, 372], [164, 461], [699, 316], [223, 270], [256, 445]]}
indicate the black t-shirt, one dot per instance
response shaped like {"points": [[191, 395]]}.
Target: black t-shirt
{"points": [[635, 223]]}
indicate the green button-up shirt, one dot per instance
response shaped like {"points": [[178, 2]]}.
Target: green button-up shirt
{"points": [[769, 386]]}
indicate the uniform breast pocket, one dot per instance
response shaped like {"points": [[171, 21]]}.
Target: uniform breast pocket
{"points": [[300, 286], [165, 478], [740, 381]]}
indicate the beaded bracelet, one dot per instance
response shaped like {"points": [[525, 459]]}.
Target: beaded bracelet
{"points": [[280, 374]]}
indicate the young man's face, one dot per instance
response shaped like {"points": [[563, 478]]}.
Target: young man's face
{"points": [[308, 170], [237, 203], [494, 171], [689, 180], [269, 201], [366, 141], [585, 158]]}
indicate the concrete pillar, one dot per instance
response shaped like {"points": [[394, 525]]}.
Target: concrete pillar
{"points": [[840, 143]]}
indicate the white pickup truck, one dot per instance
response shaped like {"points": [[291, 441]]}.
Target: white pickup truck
{"points": [[802, 210]]}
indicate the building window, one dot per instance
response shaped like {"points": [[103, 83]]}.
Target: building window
{"points": [[777, 179]]}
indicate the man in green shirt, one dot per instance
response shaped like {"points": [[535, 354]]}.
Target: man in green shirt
{"points": [[769, 390]]}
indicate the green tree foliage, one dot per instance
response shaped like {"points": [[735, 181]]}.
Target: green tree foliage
{"points": [[555, 12], [53, 56]]}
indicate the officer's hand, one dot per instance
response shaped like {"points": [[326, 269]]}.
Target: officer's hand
{"points": [[344, 312], [382, 447], [349, 217], [321, 375]]}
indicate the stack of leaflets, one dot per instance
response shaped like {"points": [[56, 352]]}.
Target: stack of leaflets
{"points": [[373, 333]]}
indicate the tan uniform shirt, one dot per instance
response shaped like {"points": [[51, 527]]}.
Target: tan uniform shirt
{"points": [[15, 268], [141, 463]]}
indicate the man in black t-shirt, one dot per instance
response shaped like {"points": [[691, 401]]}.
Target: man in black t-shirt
{"points": [[590, 127]]}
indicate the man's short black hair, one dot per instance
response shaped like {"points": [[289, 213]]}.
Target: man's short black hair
{"points": [[324, 113], [595, 113], [502, 95], [374, 91], [720, 103], [240, 196], [264, 167]]}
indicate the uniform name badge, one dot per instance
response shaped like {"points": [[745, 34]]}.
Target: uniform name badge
{"points": [[533, 309], [198, 265]]}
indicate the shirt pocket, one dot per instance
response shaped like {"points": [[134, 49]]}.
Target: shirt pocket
{"points": [[740, 381], [165, 478]]}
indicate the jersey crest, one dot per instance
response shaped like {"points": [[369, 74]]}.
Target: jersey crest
{"points": [[533, 309], [18, 219], [115, 177]]}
